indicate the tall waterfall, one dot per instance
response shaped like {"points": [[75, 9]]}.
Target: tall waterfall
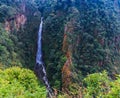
{"points": [[39, 67], [39, 44]]}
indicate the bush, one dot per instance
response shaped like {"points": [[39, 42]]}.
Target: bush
{"points": [[114, 91], [97, 85], [18, 82]]}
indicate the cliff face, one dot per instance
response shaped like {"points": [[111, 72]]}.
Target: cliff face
{"points": [[82, 41], [15, 22], [17, 19]]}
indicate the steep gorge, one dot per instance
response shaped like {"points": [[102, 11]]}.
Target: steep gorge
{"points": [[79, 38]]}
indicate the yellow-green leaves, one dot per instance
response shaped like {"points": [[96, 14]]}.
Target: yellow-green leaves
{"points": [[16, 82], [99, 85]]}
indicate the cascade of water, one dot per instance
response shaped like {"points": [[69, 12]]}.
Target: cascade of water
{"points": [[39, 67], [39, 44]]}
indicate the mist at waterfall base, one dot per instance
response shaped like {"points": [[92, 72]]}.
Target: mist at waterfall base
{"points": [[39, 67]]}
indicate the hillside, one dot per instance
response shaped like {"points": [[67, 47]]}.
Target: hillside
{"points": [[79, 37]]}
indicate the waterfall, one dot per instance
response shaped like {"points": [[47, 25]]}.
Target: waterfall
{"points": [[39, 44], [39, 67]]}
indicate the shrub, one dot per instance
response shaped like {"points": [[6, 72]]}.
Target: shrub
{"points": [[97, 85], [114, 91], [18, 82]]}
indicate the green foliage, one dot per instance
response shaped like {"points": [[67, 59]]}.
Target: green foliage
{"points": [[6, 12], [18, 47], [74, 89], [8, 54], [99, 85], [63, 96], [52, 49], [96, 85], [114, 91], [18, 82], [96, 30], [94, 40]]}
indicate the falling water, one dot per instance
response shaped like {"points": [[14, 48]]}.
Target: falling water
{"points": [[39, 67], [39, 44]]}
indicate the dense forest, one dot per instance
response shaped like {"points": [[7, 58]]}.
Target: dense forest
{"points": [[80, 47]]}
